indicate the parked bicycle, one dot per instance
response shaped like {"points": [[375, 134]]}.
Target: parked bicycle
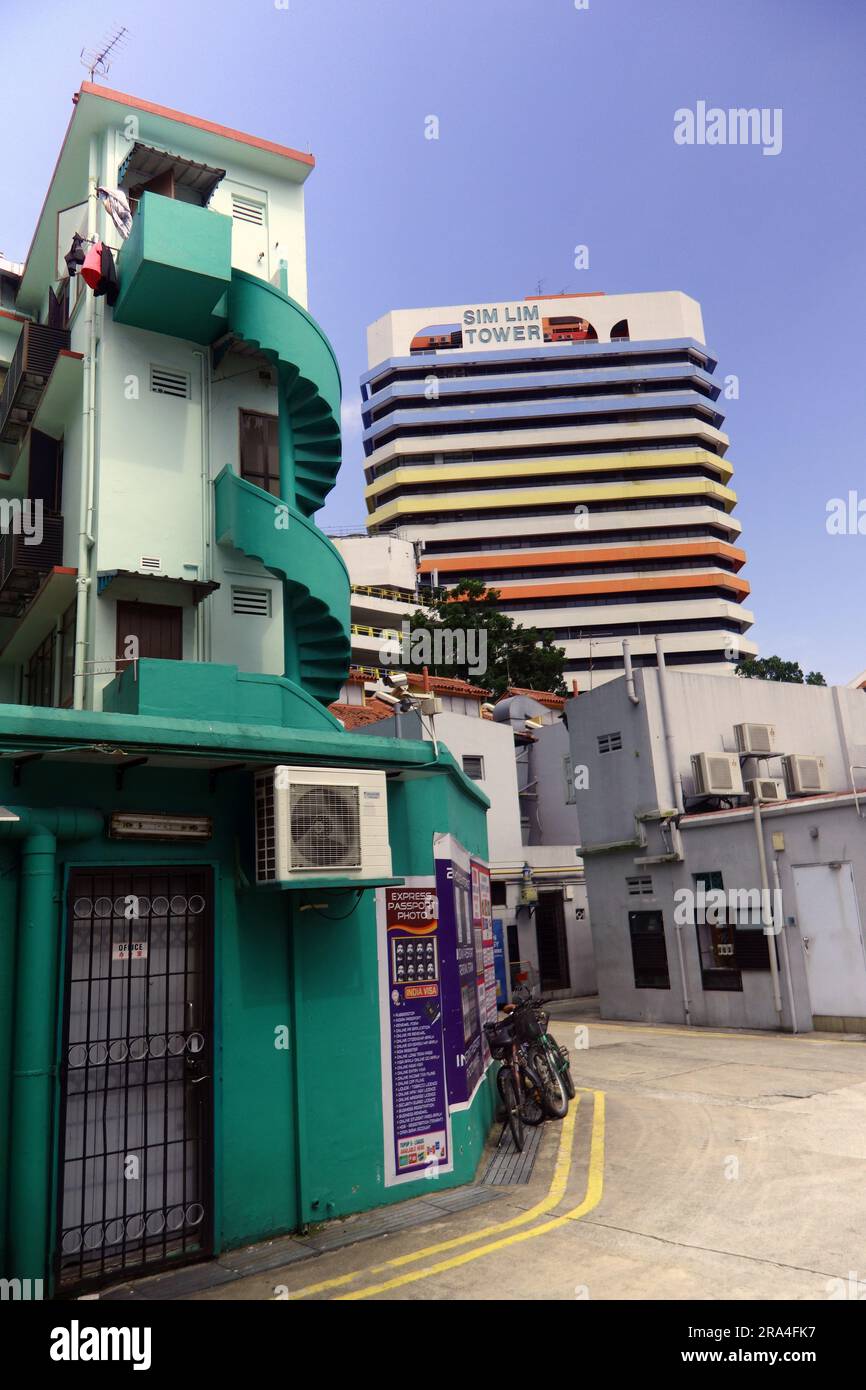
{"points": [[521, 1089], [545, 1055]]}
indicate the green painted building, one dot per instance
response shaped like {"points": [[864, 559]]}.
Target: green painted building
{"points": [[193, 1047]]}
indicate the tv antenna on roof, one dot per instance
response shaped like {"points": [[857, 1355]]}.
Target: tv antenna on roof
{"points": [[98, 60]]}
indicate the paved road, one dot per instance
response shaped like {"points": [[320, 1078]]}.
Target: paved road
{"points": [[697, 1165]]}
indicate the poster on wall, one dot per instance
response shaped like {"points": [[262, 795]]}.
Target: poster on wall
{"points": [[499, 961], [482, 922], [415, 1103], [463, 1009]]}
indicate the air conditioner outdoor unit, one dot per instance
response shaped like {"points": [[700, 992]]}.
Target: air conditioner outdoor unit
{"points": [[804, 773], [766, 789], [755, 738], [717, 774], [314, 822]]}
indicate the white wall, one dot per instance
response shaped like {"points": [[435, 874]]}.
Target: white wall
{"points": [[668, 314]]}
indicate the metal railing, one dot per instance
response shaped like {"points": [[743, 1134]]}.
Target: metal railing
{"points": [[17, 557], [35, 354]]}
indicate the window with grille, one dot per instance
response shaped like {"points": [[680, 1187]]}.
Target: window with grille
{"points": [[165, 381], [251, 603], [609, 743]]}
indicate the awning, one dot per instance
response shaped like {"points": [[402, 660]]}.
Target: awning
{"points": [[132, 584], [144, 163]]}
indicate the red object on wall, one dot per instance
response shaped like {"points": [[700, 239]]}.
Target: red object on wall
{"points": [[91, 271]]}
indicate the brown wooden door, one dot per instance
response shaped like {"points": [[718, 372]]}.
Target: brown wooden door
{"points": [[158, 627]]}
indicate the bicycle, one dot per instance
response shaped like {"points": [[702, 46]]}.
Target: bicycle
{"points": [[549, 1059], [520, 1088]]}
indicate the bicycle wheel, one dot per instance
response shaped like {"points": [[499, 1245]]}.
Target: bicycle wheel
{"points": [[565, 1072], [509, 1098], [532, 1106], [554, 1096]]}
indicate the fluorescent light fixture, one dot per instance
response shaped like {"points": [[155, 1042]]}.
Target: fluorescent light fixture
{"points": [[142, 825]]}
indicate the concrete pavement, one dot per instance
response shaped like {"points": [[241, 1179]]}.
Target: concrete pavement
{"points": [[697, 1165]]}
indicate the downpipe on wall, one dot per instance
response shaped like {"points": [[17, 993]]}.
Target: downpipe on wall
{"points": [[86, 500], [765, 897], [31, 1085]]}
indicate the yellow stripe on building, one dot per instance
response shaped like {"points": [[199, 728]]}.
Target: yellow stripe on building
{"points": [[540, 497], [634, 460]]}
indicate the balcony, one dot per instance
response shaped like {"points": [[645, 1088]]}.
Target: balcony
{"points": [[23, 566], [37, 351], [175, 269]]}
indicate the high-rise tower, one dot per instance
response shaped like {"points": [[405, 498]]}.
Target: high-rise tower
{"points": [[568, 450]]}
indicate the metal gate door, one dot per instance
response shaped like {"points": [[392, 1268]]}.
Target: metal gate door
{"points": [[136, 1134]]}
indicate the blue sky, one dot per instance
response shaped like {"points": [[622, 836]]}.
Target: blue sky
{"points": [[556, 129]]}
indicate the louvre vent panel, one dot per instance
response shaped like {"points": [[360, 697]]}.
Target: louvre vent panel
{"points": [[165, 382], [255, 603], [245, 210]]}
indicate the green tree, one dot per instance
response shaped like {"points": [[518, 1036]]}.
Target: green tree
{"points": [[773, 668], [524, 656]]}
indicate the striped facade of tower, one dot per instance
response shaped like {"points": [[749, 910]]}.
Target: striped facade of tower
{"points": [[569, 451]]}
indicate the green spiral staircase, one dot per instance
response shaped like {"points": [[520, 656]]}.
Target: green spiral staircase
{"points": [[176, 277], [278, 531]]}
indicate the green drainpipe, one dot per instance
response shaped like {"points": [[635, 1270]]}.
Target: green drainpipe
{"points": [[33, 1060]]}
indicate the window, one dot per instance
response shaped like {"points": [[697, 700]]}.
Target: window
{"points": [[641, 887], [568, 774], [67, 656], [40, 673], [157, 626], [260, 451], [609, 743], [498, 894], [649, 950], [716, 941], [473, 766], [254, 603]]}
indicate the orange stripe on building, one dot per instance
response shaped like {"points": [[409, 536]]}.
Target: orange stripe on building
{"points": [[526, 559], [740, 587]]}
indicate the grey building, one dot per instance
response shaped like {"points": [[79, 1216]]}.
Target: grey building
{"points": [[538, 887], [703, 908]]}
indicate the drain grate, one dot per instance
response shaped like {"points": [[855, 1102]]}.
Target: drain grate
{"points": [[508, 1167]]}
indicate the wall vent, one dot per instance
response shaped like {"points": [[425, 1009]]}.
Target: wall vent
{"points": [[639, 887], [245, 210], [150, 562], [253, 603], [166, 382]]}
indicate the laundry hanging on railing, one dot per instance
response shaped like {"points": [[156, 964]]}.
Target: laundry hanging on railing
{"points": [[100, 272], [117, 206], [74, 257]]}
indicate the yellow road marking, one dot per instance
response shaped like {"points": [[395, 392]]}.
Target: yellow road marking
{"points": [[592, 1197], [696, 1032], [555, 1194]]}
